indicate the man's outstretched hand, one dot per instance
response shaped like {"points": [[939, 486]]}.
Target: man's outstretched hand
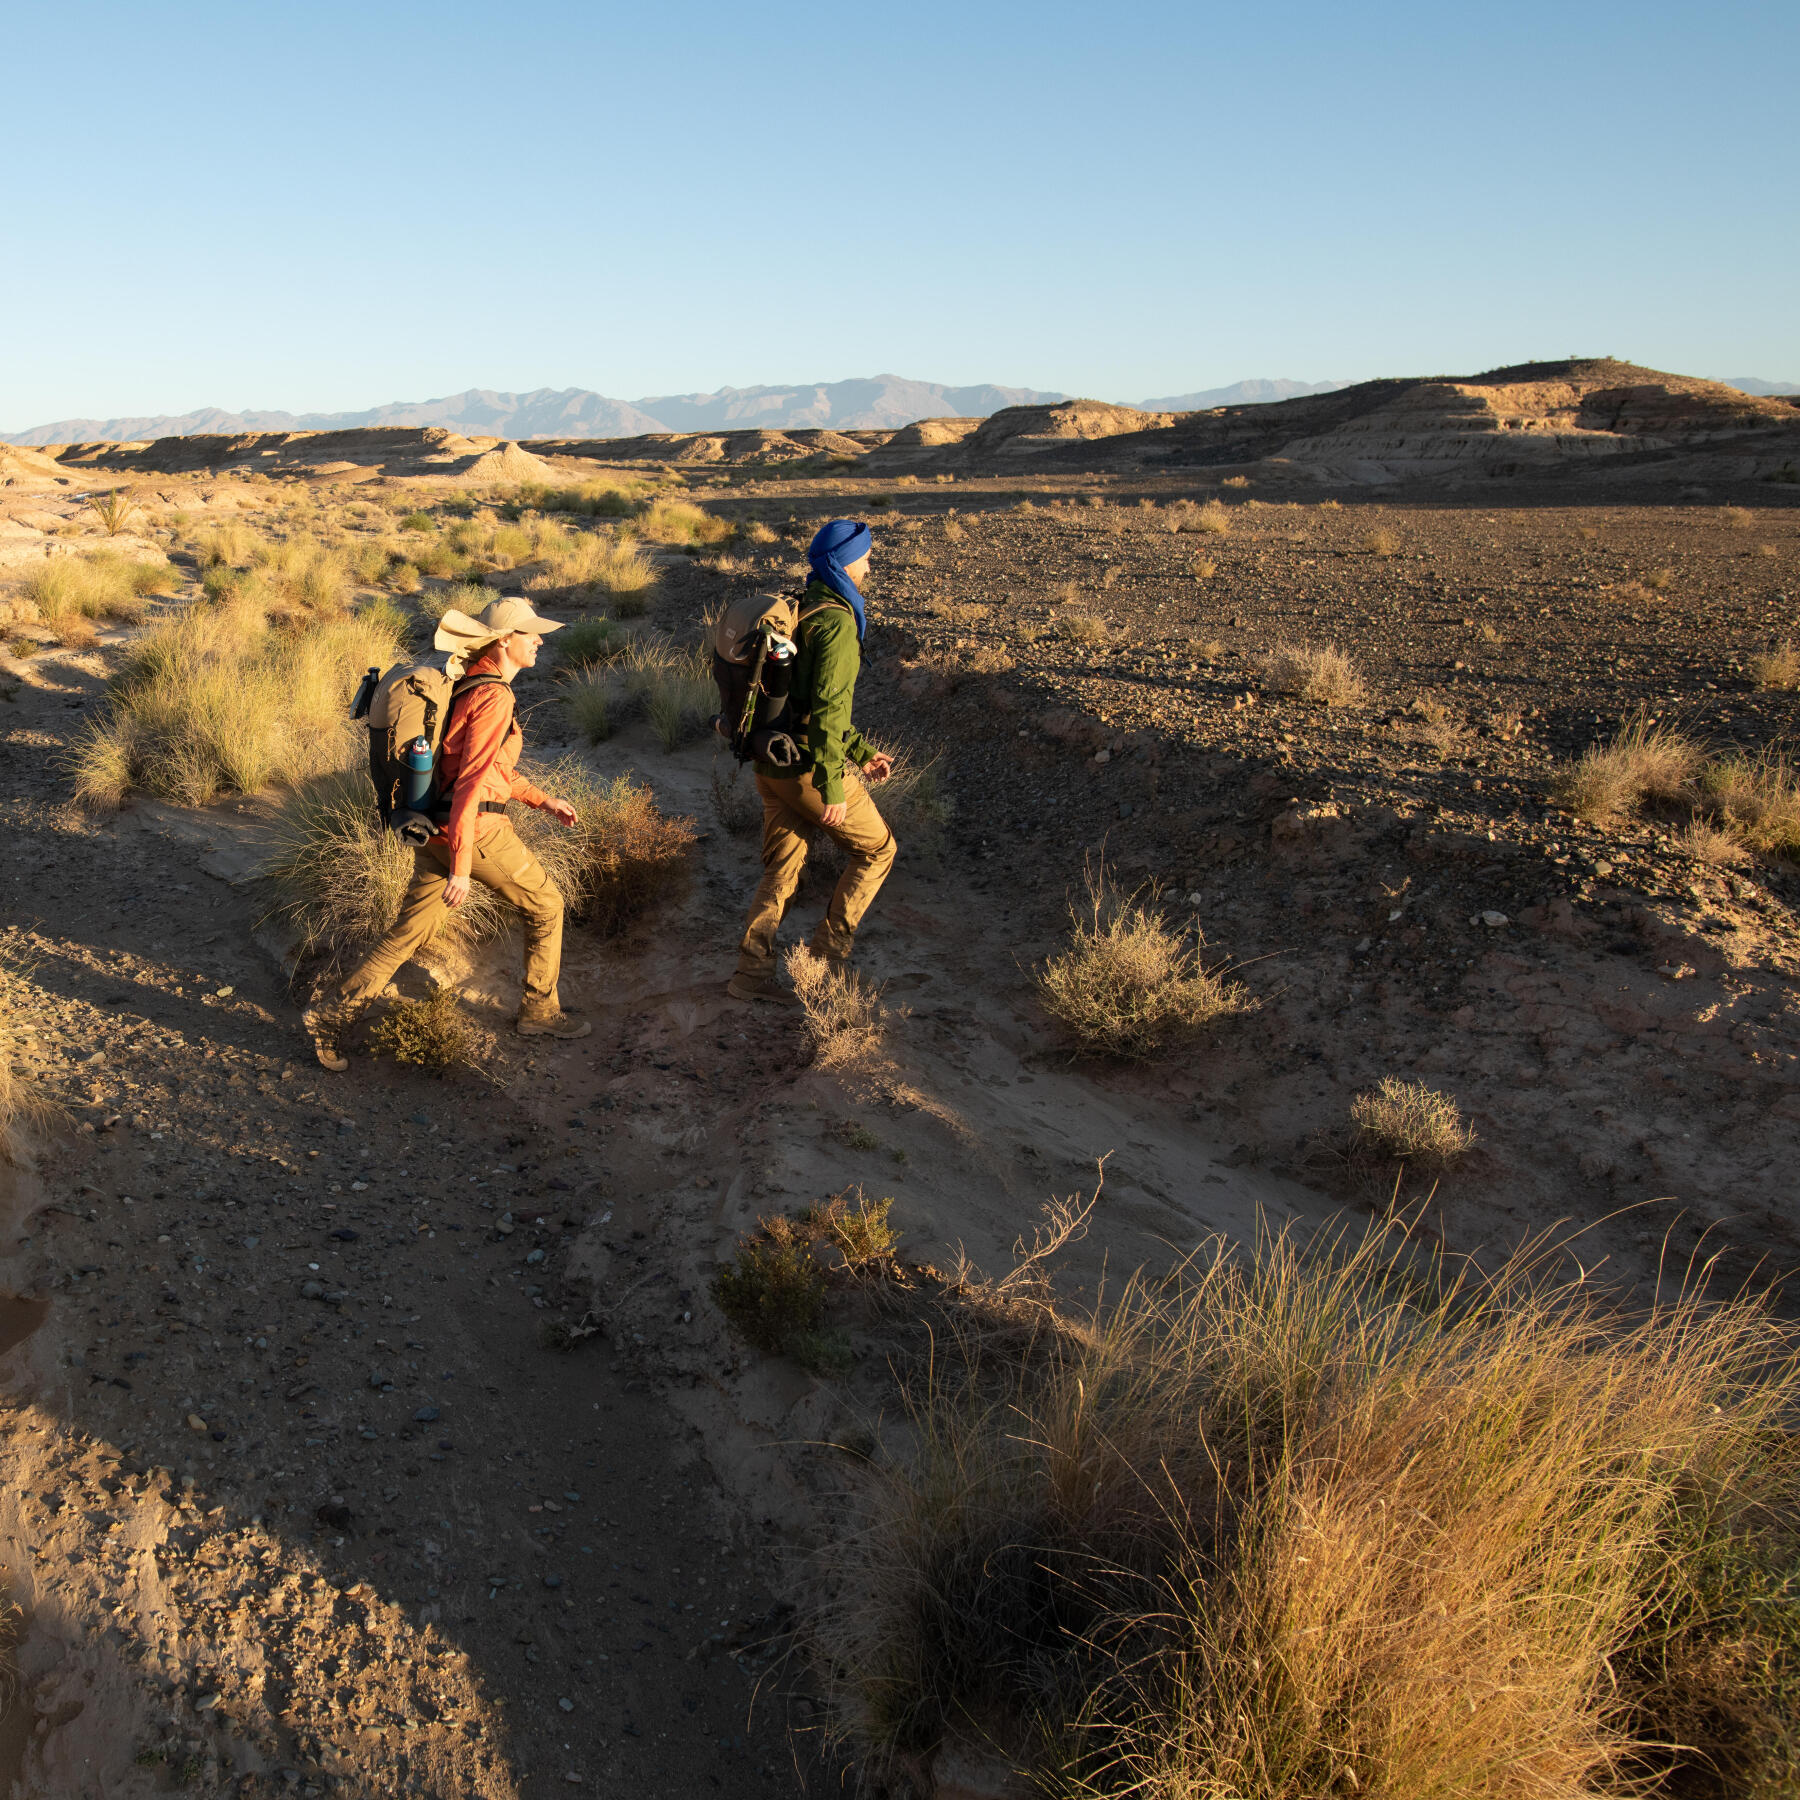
{"points": [[561, 811], [879, 768]]}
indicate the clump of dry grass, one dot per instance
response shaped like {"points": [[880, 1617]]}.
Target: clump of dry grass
{"points": [[1210, 520], [68, 590], [1083, 628], [434, 1033], [1338, 1519], [736, 803], [589, 563], [953, 532], [1756, 799], [1777, 669], [335, 875], [622, 857], [1707, 843], [27, 1114], [1659, 581], [1131, 985], [220, 699], [681, 522], [843, 1013], [1646, 761], [1381, 543], [1411, 1122], [1312, 672], [1737, 517]]}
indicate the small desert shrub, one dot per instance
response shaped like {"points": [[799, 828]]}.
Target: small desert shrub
{"points": [[590, 640], [681, 522], [217, 699], [433, 1034], [229, 543], [1131, 985], [1212, 519], [953, 532], [772, 1292], [1709, 844], [1767, 550], [756, 532], [1778, 668], [403, 577], [1380, 543], [860, 1233], [1083, 628], [367, 563], [842, 1011], [469, 597], [418, 521], [1341, 1519], [989, 659], [114, 509], [1319, 673], [963, 613], [1737, 517], [594, 499], [441, 562], [1203, 568], [621, 858], [1411, 1122], [1659, 581], [673, 688], [1645, 762], [1756, 799]]}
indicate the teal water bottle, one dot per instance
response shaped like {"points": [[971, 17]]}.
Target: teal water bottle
{"points": [[417, 759]]}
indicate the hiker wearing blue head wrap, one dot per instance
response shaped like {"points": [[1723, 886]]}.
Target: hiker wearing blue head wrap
{"points": [[824, 791]]}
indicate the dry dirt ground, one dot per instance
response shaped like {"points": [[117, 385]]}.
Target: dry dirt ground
{"points": [[295, 1498]]}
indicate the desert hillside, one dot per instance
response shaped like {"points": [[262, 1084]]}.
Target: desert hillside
{"points": [[1348, 881]]}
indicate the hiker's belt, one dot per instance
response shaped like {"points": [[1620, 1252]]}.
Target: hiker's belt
{"points": [[498, 806]]}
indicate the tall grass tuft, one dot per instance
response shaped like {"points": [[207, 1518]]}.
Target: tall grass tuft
{"points": [[1319, 673], [1131, 985], [1646, 761], [101, 585], [27, 1113], [681, 522], [1337, 1519], [219, 699], [115, 509]]}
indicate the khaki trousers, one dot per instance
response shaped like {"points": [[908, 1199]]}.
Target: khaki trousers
{"points": [[791, 812], [501, 863]]}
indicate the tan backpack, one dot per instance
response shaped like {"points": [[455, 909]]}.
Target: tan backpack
{"points": [[408, 712], [753, 665]]}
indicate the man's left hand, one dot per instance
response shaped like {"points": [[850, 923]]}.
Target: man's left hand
{"points": [[879, 768], [561, 811]]}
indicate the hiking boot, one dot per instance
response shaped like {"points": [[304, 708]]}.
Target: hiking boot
{"points": [[326, 1021], [759, 987], [544, 1018]]}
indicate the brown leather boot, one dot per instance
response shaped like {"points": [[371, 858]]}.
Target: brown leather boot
{"points": [[545, 1018], [326, 1021], [759, 987]]}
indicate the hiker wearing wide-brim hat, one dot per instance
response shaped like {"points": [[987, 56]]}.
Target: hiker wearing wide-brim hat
{"points": [[477, 775], [824, 790]]}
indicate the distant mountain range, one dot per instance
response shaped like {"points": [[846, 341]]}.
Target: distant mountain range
{"points": [[875, 403], [1754, 384]]}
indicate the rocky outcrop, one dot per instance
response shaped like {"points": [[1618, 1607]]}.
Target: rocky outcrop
{"points": [[357, 453]]}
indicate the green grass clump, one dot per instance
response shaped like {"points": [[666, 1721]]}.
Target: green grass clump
{"points": [[590, 700], [681, 522], [100, 585], [433, 1034], [588, 641], [418, 521]]}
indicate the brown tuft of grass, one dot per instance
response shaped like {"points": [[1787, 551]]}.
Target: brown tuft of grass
{"points": [[953, 532], [1756, 799], [621, 859], [682, 522], [1380, 543], [1778, 669], [1708, 843], [844, 1019], [101, 585], [434, 1033], [1338, 1518], [27, 1114], [1659, 581], [1410, 1122], [1320, 673], [1083, 628], [1131, 985], [1738, 518], [1645, 762], [335, 875]]}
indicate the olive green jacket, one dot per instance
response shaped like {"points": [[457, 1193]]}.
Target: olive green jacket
{"points": [[827, 660]]}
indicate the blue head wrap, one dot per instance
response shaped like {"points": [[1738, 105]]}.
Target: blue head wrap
{"points": [[842, 541]]}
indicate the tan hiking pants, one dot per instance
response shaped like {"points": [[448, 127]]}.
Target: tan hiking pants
{"points": [[791, 810], [501, 863]]}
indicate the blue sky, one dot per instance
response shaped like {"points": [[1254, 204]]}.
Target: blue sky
{"points": [[326, 206]]}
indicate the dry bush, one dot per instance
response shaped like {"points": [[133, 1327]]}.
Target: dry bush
{"points": [[1660, 580], [989, 659], [1341, 1520], [843, 1014], [1737, 517], [1211, 520], [460, 596], [621, 858], [403, 577], [1131, 985], [756, 532], [681, 522], [587, 563], [1778, 669], [1380, 543], [961, 613], [613, 498], [434, 1034], [367, 563], [953, 532], [1767, 550], [217, 699], [335, 875], [1632, 591], [1645, 762], [736, 803], [1203, 568], [1409, 1121], [1321, 673], [227, 544], [1709, 844], [1083, 628], [1756, 799]]}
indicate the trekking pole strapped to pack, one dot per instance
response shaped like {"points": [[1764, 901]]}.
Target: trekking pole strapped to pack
{"points": [[753, 665]]}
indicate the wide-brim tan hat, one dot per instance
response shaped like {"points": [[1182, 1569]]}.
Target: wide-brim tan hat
{"points": [[464, 636]]}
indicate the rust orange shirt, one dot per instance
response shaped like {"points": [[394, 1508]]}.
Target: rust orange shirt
{"points": [[480, 761]]}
